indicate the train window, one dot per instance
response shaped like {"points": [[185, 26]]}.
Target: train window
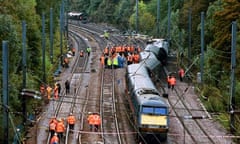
{"points": [[161, 111], [147, 109]]}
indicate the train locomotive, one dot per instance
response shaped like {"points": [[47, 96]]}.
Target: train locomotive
{"points": [[149, 107]]}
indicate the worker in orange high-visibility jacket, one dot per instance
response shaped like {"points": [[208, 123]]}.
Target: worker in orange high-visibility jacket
{"points": [[60, 128], [136, 58], [96, 121], [49, 92], [181, 74], [56, 91], [52, 127], [106, 51], [90, 120], [71, 121], [172, 82], [102, 61], [54, 139]]}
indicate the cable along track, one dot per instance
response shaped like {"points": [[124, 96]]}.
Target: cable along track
{"points": [[109, 126]]}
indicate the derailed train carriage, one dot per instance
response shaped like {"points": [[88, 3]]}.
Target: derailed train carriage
{"points": [[150, 109]]}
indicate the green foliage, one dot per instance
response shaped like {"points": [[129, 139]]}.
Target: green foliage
{"points": [[215, 99]]}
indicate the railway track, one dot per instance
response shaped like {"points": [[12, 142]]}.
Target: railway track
{"points": [[66, 103], [192, 130], [80, 101], [108, 111]]}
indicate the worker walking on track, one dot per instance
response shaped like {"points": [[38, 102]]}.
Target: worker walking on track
{"points": [[81, 53], [54, 139], [59, 88], [52, 126], [71, 121], [172, 82], [56, 91], [96, 121], [49, 92], [102, 61], [88, 50], [60, 128], [67, 86], [181, 74], [90, 121]]}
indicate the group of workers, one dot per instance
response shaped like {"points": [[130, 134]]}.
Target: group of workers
{"points": [[57, 127], [118, 56], [94, 121], [171, 79], [48, 90]]}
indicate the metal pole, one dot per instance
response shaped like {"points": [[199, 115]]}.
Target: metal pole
{"points": [[5, 91], [189, 33], [24, 67], [61, 23], [136, 16], [169, 20], [51, 35], [158, 16], [202, 46], [233, 81], [43, 48]]}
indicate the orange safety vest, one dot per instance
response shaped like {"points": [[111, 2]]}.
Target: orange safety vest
{"points": [[49, 91], [52, 126], [136, 58], [131, 49], [71, 119], [181, 72], [106, 51], [172, 81], [90, 119], [56, 91], [60, 127], [96, 119], [54, 139]]}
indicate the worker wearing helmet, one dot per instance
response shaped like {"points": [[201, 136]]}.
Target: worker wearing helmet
{"points": [[49, 92], [102, 60], [60, 128], [172, 82], [71, 121], [52, 126], [181, 74], [54, 139], [90, 120], [96, 121]]}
